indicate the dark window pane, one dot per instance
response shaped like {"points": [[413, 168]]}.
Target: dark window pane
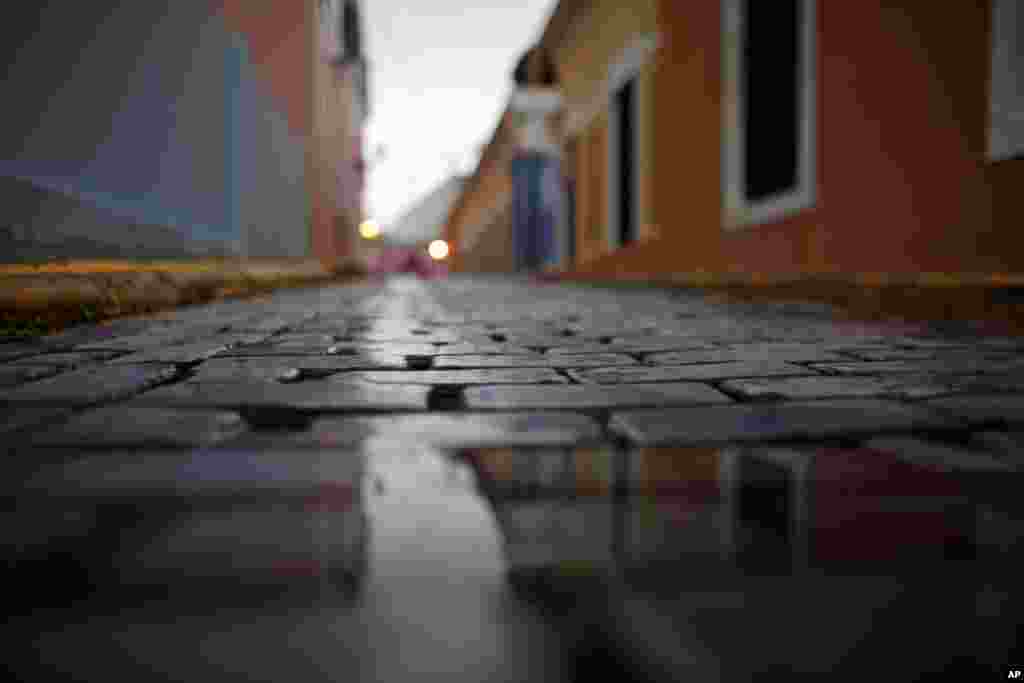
{"points": [[771, 58], [570, 247], [352, 30], [626, 98], [764, 514]]}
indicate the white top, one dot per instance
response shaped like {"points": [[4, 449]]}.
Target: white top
{"points": [[533, 111]]}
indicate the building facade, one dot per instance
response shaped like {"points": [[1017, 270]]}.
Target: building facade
{"points": [[800, 137], [479, 225], [341, 107], [148, 129]]}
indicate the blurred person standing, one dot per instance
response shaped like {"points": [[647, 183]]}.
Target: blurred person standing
{"points": [[538, 184]]}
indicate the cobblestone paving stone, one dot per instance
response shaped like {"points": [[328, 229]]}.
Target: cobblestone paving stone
{"points": [[942, 456], [14, 418], [127, 426], [703, 371], [1009, 445], [315, 395], [287, 368], [753, 353], [486, 349], [591, 396], [973, 366], [279, 349], [13, 375], [516, 375], [350, 349], [907, 387], [514, 481], [93, 385], [439, 430], [649, 345], [10, 351], [817, 419], [67, 360], [179, 355], [588, 360], [982, 408], [158, 339]]}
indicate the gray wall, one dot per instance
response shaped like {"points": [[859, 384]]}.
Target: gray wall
{"points": [[146, 127], [271, 176]]}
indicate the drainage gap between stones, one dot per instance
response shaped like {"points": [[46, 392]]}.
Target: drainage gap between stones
{"points": [[419, 362], [619, 442], [564, 372], [275, 418], [445, 398]]}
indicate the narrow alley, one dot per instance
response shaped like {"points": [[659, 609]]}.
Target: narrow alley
{"points": [[494, 479]]}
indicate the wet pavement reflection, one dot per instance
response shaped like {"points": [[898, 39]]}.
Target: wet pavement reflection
{"points": [[333, 504], [396, 559], [769, 559]]}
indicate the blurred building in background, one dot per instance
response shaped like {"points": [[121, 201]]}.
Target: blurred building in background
{"points": [[198, 127], [794, 136], [479, 224], [406, 244], [341, 96], [423, 222]]}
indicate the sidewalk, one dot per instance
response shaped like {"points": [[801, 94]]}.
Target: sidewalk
{"points": [[47, 297], [488, 479], [993, 301]]}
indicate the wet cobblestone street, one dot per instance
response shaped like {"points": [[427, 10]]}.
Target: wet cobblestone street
{"points": [[488, 479]]}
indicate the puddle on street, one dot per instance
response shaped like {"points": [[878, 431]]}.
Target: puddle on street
{"points": [[436, 580], [523, 564]]}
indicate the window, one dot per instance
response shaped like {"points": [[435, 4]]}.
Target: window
{"points": [[597, 210], [330, 34], [1006, 99], [361, 99], [769, 116], [624, 166], [340, 31], [623, 153], [352, 30], [572, 155]]}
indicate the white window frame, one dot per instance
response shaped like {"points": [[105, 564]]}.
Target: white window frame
{"points": [[1006, 88], [331, 36], [738, 212], [625, 70], [360, 105], [798, 470]]}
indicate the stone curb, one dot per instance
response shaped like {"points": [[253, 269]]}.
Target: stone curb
{"points": [[50, 301], [996, 299]]}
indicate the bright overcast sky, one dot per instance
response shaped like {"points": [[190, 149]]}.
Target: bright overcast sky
{"points": [[439, 76]]}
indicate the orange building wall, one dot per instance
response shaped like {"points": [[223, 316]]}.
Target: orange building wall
{"points": [[1005, 241], [337, 208], [278, 33], [905, 115], [597, 227], [482, 211], [686, 196], [903, 184], [282, 37]]}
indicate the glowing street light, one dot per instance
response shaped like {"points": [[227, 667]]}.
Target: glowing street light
{"points": [[369, 230], [438, 250]]}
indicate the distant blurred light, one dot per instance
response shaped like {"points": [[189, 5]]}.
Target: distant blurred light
{"points": [[438, 250], [369, 230]]}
